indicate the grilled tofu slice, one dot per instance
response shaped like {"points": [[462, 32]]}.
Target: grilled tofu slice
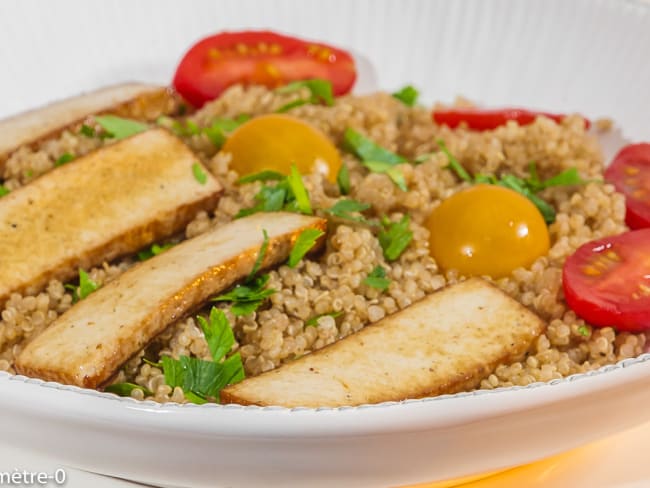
{"points": [[108, 203], [128, 99], [89, 342], [446, 343]]}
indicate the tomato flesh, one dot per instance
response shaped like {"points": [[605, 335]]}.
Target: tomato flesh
{"points": [[487, 230], [488, 119], [607, 281], [630, 174], [258, 57], [276, 141]]}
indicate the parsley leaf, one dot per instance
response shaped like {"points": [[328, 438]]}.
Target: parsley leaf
{"points": [[299, 191], [344, 209], [320, 92], [261, 176], [453, 162], [422, 158], [367, 150], [202, 379], [85, 288], [388, 169], [154, 250], [583, 330], [248, 297], [119, 128], [377, 279], [260, 256], [565, 178], [288, 194], [87, 131], [220, 129], [305, 241], [199, 174], [125, 389], [343, 180], [407, 95], [4, 191], [64, 158], [313, 322], [517, 184], [395, 237], [218, 333]]}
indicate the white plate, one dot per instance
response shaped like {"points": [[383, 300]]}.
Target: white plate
{"points": [[587, 56]]}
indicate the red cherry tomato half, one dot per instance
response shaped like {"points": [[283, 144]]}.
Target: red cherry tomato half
{"points": [[607, 281], [488, 119], [258, 57], [630, 174]]}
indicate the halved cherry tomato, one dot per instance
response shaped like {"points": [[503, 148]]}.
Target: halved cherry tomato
{"points": [[630, 174], [488, 119], [276, 141], [258, 57], [607, 281], [486, 230]]}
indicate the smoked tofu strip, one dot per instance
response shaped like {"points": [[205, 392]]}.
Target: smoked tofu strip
{"points": [[108, 203], [89, 342], [446, 343], [127, 100]]}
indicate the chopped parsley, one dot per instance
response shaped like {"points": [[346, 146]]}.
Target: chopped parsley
{"points": [[199, 174], [202, 380], [345, 209], [85, 288], [583, 330], [313, 322], [154, 250], [422, 158], [288, 194], [247, 298], [374, 157], [267, 175], [4, 191], [119, 128], [388, 169], [87, 131], [125, 389], [343, 180], [305, 241], [367, 150], [377, 279], [527, 187], [407, 95], [299, 191], [394, 237], [29, 173], [220, 129], [320, 91], [261, 254], [63, 159]]}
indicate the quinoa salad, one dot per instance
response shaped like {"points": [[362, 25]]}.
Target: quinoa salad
{"points": [[352, 282]]}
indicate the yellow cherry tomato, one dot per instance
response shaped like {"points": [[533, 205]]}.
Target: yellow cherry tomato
{"points": [[275, 141], [487, 230]]}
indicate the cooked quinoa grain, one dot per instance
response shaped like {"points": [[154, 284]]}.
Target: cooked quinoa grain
{"points": [[328, 290]]}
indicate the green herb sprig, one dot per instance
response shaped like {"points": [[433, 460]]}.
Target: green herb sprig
{"points": [[527, 187], [377, 279], [119, 128], [4, 191], [407, 95], [154, 250], [313, 321], [374, 157], [305, 241], [320, 91], [63, 159], [395, 237], [85, 288]]}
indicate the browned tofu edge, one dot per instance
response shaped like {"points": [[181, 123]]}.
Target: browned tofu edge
{"points": [[188, 298], [139, 107], [467, 381]]}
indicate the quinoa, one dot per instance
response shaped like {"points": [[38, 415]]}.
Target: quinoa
{"points": [[334, 280]]}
